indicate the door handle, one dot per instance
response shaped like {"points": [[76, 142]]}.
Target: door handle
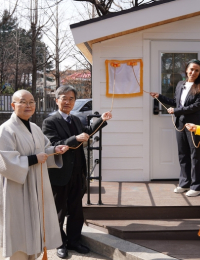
{"points": [[156, 109]]}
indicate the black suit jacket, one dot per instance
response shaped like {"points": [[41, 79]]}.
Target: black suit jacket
{"points": [[56, 129], [190, 113]]}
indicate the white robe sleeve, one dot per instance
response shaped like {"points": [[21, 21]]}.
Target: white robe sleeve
{"points": [[13, 166], [53, 161]]}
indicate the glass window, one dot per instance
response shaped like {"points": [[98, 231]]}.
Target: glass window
{"points": [[87, 106], [173, 71]]}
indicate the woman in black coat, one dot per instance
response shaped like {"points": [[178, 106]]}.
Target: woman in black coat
{"points": [[186, 108]]}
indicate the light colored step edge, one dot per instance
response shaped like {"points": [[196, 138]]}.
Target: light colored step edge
{"points": [[116, 248]]}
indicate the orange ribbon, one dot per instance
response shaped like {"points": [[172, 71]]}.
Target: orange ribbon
{"points": [[132, 63], [115, 65]]}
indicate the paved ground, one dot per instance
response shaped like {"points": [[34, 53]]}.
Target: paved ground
{"points": [[74, 256]]}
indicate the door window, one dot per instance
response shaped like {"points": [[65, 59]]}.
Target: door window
{"points": [[173, 71]]}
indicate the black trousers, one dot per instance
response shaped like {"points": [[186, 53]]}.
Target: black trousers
{"points": [[68, 200], [189, 158]]}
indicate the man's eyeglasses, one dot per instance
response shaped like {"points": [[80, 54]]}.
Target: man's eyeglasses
{"points": [[63, 99], [26, 104]]}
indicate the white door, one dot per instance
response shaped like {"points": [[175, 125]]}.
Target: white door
{"points": [[167, 62]]}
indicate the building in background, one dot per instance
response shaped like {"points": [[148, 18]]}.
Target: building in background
{"points": [[81, 81]]}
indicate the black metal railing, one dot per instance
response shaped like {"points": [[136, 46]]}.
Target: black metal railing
{"points": [[96, 161]]}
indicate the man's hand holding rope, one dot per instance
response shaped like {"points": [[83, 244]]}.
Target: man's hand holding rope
{"points": [[106, 116], [83, 137]]}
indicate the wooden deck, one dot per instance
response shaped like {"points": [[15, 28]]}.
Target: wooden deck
{"points": [[145, 194], [149, 214]]}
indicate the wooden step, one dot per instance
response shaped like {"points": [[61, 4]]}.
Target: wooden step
{"points": [[177, 229], [137, 212]]}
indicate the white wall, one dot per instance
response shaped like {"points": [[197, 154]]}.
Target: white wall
{"points": [[126, 146]]}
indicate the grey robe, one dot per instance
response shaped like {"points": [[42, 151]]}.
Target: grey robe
{"points": [[21, 226]]}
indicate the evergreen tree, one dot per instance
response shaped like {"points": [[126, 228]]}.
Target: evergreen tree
{"points": [[6, 42], [16, 54]]}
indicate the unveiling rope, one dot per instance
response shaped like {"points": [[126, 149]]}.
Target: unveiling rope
{"points": [[179, 130], [44, 237], [43, 215], [103, 120]]}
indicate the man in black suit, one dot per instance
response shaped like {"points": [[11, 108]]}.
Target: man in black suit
{"points": [[67, 182]]}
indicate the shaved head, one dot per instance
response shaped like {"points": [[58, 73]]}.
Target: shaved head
{"points": [[23, 104], [19, 94]]}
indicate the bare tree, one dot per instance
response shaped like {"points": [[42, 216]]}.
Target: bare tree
{"points": [[104, 7], [61, 39], [37, 25]]}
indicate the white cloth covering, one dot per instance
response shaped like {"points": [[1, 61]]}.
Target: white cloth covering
{"points": [[21, 226], [125, 80]]}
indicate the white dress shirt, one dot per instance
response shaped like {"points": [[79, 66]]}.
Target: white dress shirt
{"points": [[65, 116], [185, 91]]}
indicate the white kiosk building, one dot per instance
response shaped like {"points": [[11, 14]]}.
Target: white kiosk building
{"points": [[137, 144]]}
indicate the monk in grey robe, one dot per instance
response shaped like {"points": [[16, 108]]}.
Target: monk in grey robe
{"points": [[23, 147]]}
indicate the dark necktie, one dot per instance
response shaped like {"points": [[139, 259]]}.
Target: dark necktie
{"points": [[69, 119]]}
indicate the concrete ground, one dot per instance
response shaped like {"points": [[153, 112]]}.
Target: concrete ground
{"points": [[74, 256]]}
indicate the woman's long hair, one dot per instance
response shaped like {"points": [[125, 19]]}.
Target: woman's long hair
{"points": [[196, 86]]}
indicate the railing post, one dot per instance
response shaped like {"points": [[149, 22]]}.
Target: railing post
{"points": [[97, 161], [100, 161]]}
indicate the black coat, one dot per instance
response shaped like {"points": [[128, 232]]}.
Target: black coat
{"points": [[190, 113], [56, 129]]}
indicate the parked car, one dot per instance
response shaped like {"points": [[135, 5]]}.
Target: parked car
{"points": [[82, 108]]}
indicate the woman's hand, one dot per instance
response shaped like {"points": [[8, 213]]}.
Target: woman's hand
{"points": [[154, 94], [61, 149], [106, 116], [191, 127], [42, 157], [170, 110]]}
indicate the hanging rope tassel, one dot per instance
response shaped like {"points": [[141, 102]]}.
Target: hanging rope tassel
{"points": [[44, 238], [45, 254], [114, 65]]}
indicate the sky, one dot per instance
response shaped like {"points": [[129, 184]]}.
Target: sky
{"points": [[69, 12]]}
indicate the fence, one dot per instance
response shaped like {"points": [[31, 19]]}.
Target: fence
{"points": [[5, 101], [44, 104]]}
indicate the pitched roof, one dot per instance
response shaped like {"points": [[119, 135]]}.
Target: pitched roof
{"points": [[110, 15], [99, 29]]}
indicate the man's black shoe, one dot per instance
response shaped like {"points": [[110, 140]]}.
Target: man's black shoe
{"points": [[62, 252], [79, 248]]}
